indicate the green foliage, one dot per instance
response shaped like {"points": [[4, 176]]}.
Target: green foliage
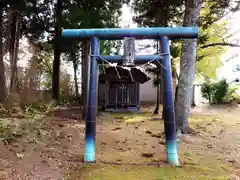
{"points": [[28, 130], [42, 56], [206, 91], [233, 95], [149, 13], [216, 93], [27, 124], [91, 14], [215, 10], [221, 89], [66, 87], [171, 12], [209, 59], [37, 108], [39, 20], [110, 47], [157, 13]]}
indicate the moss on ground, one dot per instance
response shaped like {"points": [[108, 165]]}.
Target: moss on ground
{"points": [[131, 117], [193, 169], [107, 172]]}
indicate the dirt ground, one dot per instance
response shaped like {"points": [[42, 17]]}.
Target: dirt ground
{"points": [[129, 146]]}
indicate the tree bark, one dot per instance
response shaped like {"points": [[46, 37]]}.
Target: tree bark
{"points": [[14, 47], [85, 75], [193, 104], [162, 92], [156, 111], [161, 86], [57, 52], [75, 66], [3, 93], [187, 67]]}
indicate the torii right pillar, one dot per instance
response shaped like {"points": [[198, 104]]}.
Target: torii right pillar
{"points": [[168, 105]]}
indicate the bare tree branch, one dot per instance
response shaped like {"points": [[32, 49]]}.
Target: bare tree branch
{"points": [[220, 44]]}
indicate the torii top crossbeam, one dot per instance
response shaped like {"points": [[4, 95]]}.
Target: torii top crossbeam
{"points": [[138, 33]]}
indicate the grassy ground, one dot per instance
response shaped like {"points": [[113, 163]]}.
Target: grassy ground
{"points": [[150, 173], [129, 146]]}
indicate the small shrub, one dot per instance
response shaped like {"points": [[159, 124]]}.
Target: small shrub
{"points": [[207, 91], [232, 96], [3, 129], [220, 91], [29, 130], [217, 93], [37, 107]]}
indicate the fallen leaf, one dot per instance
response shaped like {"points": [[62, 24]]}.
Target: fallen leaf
{"points": [[148, 132], [148, 155], [20, 155], [117, 128]]}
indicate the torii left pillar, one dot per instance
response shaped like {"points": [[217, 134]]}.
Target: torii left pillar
{"points": [[90, 134]]}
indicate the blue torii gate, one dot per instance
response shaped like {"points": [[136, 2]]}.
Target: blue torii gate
{"points": [[161, 33]]}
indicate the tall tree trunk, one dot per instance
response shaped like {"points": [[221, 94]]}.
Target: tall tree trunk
{"points": [[187, 67], [3, 92], [162, 92], [57, 51], [14, 47], [75, 66], [176, 88], [85, 75], [161, 86], [156, 111], [82, 78], [193, 104]]}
